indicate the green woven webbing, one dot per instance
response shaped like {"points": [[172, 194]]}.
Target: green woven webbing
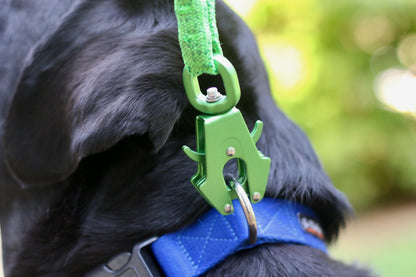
{"points": [[198, 35]]}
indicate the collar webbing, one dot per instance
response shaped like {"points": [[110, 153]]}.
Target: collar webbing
{"points": [[198, 35], [212, 238]]}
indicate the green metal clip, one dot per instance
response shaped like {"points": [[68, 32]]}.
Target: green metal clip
{"points": [[222, 137]]}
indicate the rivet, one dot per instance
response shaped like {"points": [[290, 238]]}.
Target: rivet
{"points": [[228, 208], [256, 196], [230, 151], [213, 95]]}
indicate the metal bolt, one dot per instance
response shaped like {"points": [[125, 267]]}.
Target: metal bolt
{"points": [[213, 95], [228, 208], [256, 196], [230, 151]]}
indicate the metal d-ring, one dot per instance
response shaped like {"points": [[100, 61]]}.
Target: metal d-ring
{"points": [[247, 208]]}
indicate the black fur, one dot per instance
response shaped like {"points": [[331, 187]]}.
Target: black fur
{"points": [[93, 117]]}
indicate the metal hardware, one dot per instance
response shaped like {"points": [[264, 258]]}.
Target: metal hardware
{"points": [[127, 264], [247, 208], [230, 151], [213, 95], [232, 89], [256, 196], [223, 127], [215, 133], [228, 209]]}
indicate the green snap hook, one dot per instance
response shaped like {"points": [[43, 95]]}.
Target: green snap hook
{"points": [[221, 138], [223, 135], [232, 89]]}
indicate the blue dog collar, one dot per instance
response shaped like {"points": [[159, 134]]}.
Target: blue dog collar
{"points": [[213, 237]]}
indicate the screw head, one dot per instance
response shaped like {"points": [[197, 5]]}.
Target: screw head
{"points": [[256, 196], [228, 208], [213, 95], [230, 151]]}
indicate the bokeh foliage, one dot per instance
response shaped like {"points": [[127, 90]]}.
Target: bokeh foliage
{"points": [[324, 58]]}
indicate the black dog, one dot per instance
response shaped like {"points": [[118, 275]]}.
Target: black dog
{"points": [[94, 115]]}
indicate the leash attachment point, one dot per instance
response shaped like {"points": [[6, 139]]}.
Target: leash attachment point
{"points": [[221, 131], [247, 208]]}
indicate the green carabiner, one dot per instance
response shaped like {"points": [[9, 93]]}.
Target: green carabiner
{"points": [[223, 135], [232, 89], [221, 138]]}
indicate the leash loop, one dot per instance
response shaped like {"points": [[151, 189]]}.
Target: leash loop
{"points": [[232, 89]]}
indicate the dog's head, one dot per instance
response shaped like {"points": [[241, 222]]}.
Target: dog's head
{"points": [[98, 119]]}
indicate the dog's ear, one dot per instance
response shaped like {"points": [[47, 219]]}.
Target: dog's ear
{"points": [[82, 93]]}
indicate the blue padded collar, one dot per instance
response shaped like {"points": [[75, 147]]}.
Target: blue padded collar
{"points": [[213, 237]]}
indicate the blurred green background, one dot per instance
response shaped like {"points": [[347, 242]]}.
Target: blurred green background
{"points": [[344, 70]]}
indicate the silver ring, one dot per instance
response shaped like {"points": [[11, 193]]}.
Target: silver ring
{"points": [[248, 210]]}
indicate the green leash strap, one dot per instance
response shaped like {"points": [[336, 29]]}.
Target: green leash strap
{"points": [[198, 35]]}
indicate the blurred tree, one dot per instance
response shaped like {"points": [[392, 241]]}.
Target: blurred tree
{"points": [[331, 66]]}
